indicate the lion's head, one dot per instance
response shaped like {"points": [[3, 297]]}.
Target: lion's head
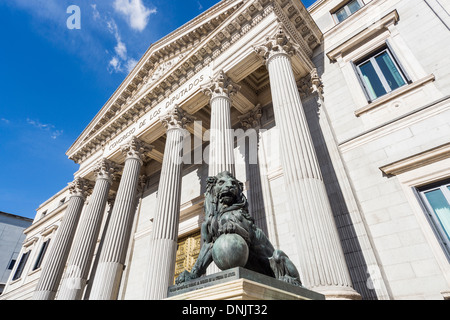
{"points": [[225, 189]]}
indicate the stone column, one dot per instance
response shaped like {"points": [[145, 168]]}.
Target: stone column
{"points": [[54, 266], [251, 123], [112, 256], [163, 243], [221, 147], [80, 259], [322, 263]]}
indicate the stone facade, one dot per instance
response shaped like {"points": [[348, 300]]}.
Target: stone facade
{"points": [[11, 238], [274, 93]]}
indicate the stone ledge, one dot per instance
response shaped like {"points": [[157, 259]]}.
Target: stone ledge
{"points": [[240, 284], [394, 94]]}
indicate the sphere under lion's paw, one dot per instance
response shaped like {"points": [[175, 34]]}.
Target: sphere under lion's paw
{"points": [[230, 251]]}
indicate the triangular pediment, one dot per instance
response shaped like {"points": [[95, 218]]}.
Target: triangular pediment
{"points": [[174, 59], [157, 61]]}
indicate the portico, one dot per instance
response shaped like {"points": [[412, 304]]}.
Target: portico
{"points": [[239, 56]]}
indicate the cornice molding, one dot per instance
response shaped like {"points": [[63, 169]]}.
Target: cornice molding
{"points": [[377, 27], [416, 161]]}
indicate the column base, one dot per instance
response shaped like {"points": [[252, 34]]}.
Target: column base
{"points": [[44, 295], [338, 293], [107, 281]]}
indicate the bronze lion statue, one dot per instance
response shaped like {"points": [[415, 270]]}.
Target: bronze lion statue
{"points": [[226, 212]]}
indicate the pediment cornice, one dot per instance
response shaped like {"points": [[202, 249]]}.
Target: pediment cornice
{"points": [[173, 60]]}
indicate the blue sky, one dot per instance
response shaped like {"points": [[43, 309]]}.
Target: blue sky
{"points": [[54, 80]]}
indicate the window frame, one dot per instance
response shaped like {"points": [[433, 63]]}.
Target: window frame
{"points": [[11, 264], [21, 265], [347, 10], [41, 255], [428, 210], [371, 57]]}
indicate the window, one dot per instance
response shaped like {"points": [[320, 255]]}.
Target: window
{"points": [[11, 264], [21, 266], [41, 255], [380, 73], [347, 10], [436, 200]]}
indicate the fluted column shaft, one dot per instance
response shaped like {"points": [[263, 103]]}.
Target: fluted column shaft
{"points": [[112, 256], [80, 259], [53, 268], [163, 243], [322, 263], [221, 147]]}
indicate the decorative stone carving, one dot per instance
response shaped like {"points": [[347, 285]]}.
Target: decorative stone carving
{"points": [[136, 148], [106, 169], [228, 225], [279, 43], [177, 118], [79, 188], [221, 86], [310, 84], [251, 119]]}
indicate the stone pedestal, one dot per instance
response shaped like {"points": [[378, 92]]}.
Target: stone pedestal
{"points": [[240, 284]]}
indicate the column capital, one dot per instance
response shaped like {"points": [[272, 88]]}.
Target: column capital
{"points": [[251, 119], [79, 187], [310, 84], [176, 118], [221, 86], [106, 169], [316, 81], [136, 149], [277, 44]]}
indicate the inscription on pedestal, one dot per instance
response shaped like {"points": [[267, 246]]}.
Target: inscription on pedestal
{"points": [[204, 282], [241, 273]]}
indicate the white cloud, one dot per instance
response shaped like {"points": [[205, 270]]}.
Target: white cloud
{"points": [[135, 12], [120, 62], [114, 63], [121, 49], [5, 120], [130, 65], [45, 127], [56, 134], [95, 13]]}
